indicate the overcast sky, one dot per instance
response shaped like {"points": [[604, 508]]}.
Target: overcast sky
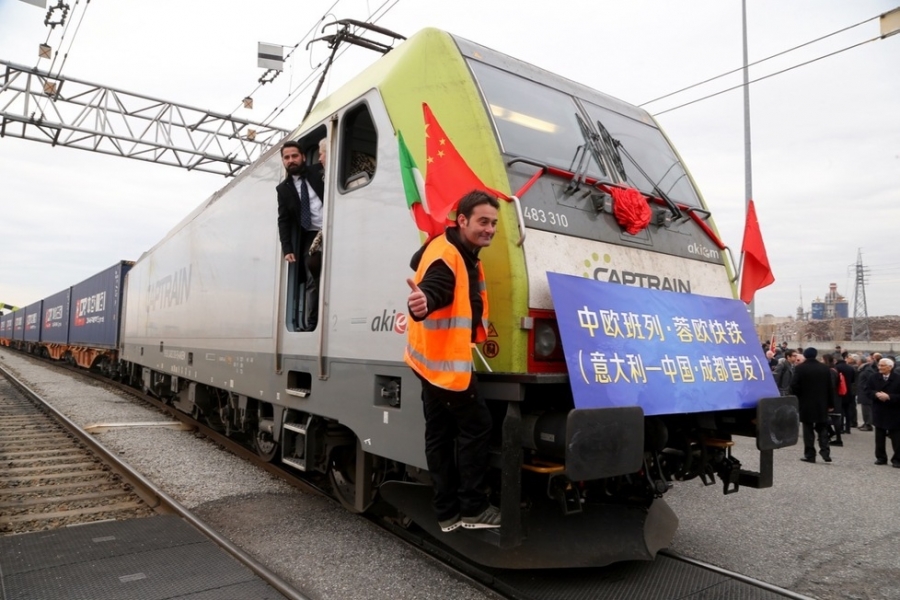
{"points": [[825, 137]]}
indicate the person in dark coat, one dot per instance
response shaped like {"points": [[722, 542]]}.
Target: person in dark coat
{"points": [[865, 373], [784, 372], [300, 209], [884, 391], [847, 402], [836, 418], [814, 388]]}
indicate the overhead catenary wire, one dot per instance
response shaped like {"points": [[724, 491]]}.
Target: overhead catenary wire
{"points": [[295, 46], [304, 84], [42, 104], [74, 35], [62, 37], [791, 68], [288, 100], [760, 61], [308, 80]]}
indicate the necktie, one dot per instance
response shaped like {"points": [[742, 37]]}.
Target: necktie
{"points": [[305, 216]]}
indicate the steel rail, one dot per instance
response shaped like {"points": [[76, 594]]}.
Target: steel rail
{"points": [[149, 488], [769, 587]]}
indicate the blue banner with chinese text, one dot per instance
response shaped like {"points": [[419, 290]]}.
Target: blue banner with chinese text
{"points": [[663, 351]]}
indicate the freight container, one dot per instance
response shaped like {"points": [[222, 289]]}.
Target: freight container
{"points": [[94, 308], [32, 331], [6, 327], [19, 325], [55, 323]]}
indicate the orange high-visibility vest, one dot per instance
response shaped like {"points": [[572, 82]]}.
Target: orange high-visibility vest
{"points": [[439, 348]]}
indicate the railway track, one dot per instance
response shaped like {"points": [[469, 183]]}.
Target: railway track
{"points": [[669, 576], [52, 479], [58, 476]]}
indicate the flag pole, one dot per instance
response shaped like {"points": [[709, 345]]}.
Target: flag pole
{"points": [[748, 171]]}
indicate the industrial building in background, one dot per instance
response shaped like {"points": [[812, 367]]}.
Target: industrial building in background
{"points": [[833, 306]]}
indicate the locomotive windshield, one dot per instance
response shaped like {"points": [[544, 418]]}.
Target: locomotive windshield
{"points": [[540, 122]]}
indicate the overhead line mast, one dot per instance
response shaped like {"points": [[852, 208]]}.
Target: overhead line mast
{"points": [[860, 330]]}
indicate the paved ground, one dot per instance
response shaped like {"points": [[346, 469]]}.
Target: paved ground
{"points": [[831, 531]]}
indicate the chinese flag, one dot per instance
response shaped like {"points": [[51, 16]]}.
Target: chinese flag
{"points": [[447, 177], [756, 271]]}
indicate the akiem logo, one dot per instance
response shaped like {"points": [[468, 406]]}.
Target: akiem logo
{"points": [[701, 250], [396, 322]]}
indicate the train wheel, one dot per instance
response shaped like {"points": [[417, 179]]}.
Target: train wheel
{"points": [[266, 447], [342, 472]]}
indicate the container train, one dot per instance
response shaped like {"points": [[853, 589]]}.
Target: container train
{"points": [[208, 318]]}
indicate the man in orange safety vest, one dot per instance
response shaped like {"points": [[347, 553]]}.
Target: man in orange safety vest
{"points": [[449, 308]]}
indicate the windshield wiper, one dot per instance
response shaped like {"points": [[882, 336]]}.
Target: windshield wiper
{"points": [[620, 149], [603, 151], [579, 172]]}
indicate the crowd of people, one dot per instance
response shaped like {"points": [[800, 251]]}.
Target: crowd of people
{"points": [[836, 391]]}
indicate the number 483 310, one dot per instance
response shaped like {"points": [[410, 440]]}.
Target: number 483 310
{"points": [[539, 215]]}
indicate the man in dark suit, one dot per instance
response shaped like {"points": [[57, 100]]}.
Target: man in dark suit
{"points": [[784, 372], [865, 373], [813, 386], [883, 390], [847, 402], [300, 210]]}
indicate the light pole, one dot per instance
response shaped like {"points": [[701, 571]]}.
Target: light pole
{"points": [[748, 170]]}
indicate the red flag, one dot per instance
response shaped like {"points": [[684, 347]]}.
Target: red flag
{"points": [[447, 177], [756, 271]]}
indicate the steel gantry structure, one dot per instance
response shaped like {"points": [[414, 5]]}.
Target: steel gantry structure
{"points": [[64, 111]]}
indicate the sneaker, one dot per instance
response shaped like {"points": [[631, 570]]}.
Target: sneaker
{"points": [[489, 519], [448, 525]]}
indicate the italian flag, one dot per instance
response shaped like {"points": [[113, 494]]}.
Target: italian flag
{"points": [[414, 188]]}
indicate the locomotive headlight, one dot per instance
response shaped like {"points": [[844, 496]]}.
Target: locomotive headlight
{"points": [[546, 355], [545, 339]]}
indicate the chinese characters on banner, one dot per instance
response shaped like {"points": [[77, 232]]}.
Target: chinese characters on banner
{"points": [[663, 351]]}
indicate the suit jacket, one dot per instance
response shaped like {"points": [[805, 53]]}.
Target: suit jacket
{"points": [[885, 414], [863, 376], [783, 374], [814, 388], [289, 206]]}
